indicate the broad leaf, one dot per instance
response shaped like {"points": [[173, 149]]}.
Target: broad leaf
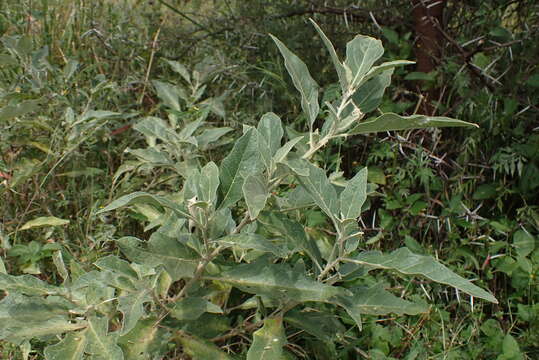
{"points": [[271, 129], [192, 307], [324, 325], [277, 281], [168, 93], [101, 343], [369, 96], [252, 242], [361, 54], [376, 70], [394, 122], [70, 348], [209, 136], [354, 195], [180, 69], [302, 80], [321, 190], [27, 284], [282, 152], [406, 262], [256, 193], [24, 318], [242, 161], [44, 221], [175, 257], [132, 308], [155, 127], [268, 341]]}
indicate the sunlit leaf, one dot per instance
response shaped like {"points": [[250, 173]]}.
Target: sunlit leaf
{"points": [[354, 195], [192, 307], [256, 193], [70, 348], [44, 221]]}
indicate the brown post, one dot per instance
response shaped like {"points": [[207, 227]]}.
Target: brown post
{"points": [[427, 16]]}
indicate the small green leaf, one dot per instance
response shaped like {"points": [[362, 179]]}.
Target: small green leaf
{"points": [[302, 80], [369, 95], [354, 195], [523, 242], [44, 221], [192, 307], [394, 122], [406, 262], [168, 93], [268, 341], [70, 348], [255, 192]]}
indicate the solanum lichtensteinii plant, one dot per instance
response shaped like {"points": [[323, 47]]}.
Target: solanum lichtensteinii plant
{"points": [[232, 240]]}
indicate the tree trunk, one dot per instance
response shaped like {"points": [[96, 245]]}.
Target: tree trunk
{"points": [[427, 16]]}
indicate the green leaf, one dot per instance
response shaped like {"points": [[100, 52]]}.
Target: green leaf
{"points": [[354, 195], [169, 252], [324, 325], [252, 241], [339, 67], [155, 127], [140, 197], [209, 136], [323, 193], [168, 93], [27, 284], [24, 318], [203, 185], [394, 122], [132, 308], [192, 307], [115, 264], [271, 129], [277, 281], [511, 350], [406, 262], [268, 341], [369, 95], [180, 69], [44, 221], [243, 160], [523, 242], [199, 349], [282, 152], [255, 192], [302, 80], [376, 70], [376, 301], [361, 54], [70, 348], [101, 343], [2, 268]]}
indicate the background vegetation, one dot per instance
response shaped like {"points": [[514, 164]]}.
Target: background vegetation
{"points": [[75, 76]]}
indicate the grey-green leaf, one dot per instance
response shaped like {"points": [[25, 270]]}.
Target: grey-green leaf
{"points": [[277, 281], [243, 160], [256, 193], [101, 343], [27, 284], [168, 93], [323, 193], [44, 221], [271, 129], [369, 95], [394, 122], [70, 348], [252, 242], [339, 67], [354, 195], [132, 308], [192, 307], [268, 341], [199, 349], [282, 152], [406, 262], [176, 259], [140, 197], [302, 80], [361, 54]]}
